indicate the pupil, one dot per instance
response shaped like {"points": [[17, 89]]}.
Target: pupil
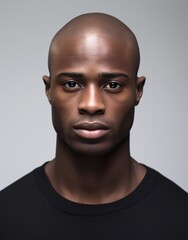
{"points": [[113, 84], [72, 84]]}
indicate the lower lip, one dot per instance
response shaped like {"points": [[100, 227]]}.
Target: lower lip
{"points": [[91, 134]]}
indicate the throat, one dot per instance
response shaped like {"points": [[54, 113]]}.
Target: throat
{"points": [[94, 179], [95, 183]]}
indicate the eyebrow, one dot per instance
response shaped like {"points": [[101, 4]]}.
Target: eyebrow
{"points": [[113, 75], [103, 74], [70, 74]]}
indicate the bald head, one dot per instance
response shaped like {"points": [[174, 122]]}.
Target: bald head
{"points": [[99, 24]]}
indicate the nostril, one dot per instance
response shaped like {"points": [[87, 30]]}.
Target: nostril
{"points": [[82, 111], [91, 111]]}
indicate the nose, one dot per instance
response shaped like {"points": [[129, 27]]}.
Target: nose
{"points": [[91, 102]]}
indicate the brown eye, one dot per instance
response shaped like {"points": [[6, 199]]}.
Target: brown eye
{"points": [[113, 85], [71, 84]]}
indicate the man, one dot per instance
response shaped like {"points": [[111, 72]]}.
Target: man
{"points": [[93, 189]]}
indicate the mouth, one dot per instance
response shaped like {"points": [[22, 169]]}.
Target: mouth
{"points": [[91, 130]]}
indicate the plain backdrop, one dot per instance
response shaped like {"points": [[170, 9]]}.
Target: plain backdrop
{"points": [[159, 135]]}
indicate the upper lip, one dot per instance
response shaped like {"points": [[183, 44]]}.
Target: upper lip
{"points": [[91, 126]]}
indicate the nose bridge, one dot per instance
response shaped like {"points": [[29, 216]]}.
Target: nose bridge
{"points": [[92, 100], [92, 95]]}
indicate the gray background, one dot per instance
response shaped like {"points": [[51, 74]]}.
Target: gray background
{"points": [[159, 136]]}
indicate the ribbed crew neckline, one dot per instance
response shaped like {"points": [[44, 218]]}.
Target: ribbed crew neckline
{"points": [[69, 207]]}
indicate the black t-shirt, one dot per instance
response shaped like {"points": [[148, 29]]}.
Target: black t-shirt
{"points": [[31, 209]]}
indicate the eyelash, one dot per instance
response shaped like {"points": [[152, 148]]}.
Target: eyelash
{"points": [[71, 81], [77, 85], [113, 82]]}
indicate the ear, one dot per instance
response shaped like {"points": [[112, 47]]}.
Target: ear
{"points": [[47, 84], [140, 81]]}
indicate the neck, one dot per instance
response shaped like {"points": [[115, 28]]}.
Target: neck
{"points": [[94, 179]]}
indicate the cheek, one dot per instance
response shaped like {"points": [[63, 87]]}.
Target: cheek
{"points": [[121, 104], [124, 117], [62, 110], [61, 114], [121, 110], [124, 121]]}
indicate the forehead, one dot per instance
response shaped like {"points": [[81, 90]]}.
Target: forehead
{"points": [[92, 49]]}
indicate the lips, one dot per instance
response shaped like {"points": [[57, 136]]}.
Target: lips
{"points": [[91, 130]]}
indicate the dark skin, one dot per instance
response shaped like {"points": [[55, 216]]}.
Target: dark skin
{"points": [[93, 89]]}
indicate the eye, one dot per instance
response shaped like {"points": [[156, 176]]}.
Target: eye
{"points": [[71, 85], [112, 86]]}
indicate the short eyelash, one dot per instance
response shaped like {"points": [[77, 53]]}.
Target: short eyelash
{"points": [[114, 82]]}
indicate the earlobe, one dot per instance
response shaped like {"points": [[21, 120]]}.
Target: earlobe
{"points": [[139, 88], [47, 82]]}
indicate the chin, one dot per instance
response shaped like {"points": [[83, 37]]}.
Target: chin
{"points": [[92, 149]]}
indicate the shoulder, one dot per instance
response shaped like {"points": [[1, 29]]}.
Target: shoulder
{"points": [[168, 194], [169, 187], [20, 206], [19, 196], [24, 186], [165, 205], [17, 188]]}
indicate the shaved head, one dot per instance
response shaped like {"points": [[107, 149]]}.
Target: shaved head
{"points": [[98, 24], [93, 64]]}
